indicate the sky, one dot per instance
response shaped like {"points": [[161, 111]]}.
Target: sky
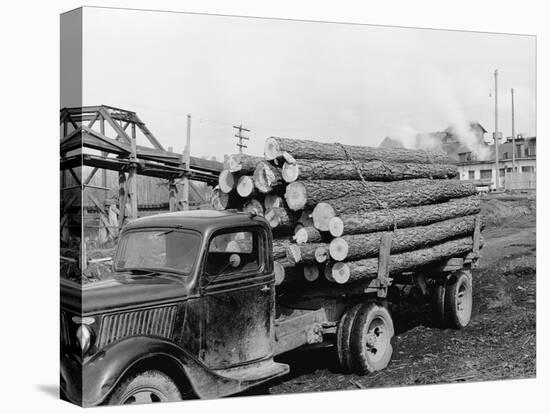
{"points": [[354, 84]]}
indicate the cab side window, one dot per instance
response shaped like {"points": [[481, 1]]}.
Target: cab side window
{"points": [[233, 253]]}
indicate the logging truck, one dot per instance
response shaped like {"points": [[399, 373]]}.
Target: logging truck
{"points": [[192, 311]]}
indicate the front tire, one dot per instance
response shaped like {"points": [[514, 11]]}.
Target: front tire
{"points": [[371, 335], [144, 388]]}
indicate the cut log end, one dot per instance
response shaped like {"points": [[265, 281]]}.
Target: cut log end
{"points": [[245, 186], [271, 149], [321, 254], [293, 254], [226, 181], [336, 227], [255, 207], [300, 235], [338, 249], [273, 201], [338, 272], [272, 217], [311, 272], [322, 214], [296, 196], [266, 177], [290, 172], [279, 271]]}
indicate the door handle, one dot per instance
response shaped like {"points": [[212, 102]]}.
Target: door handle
{"points": [[265, 289]]}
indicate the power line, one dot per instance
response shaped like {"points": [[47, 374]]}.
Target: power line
{"points": [[241, 137]]}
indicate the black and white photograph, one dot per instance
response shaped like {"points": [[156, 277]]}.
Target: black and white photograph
{"points": [[253, 206], [261, 206]]}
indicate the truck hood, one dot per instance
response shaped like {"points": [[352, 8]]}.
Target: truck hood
{"points": [[119, 294]]}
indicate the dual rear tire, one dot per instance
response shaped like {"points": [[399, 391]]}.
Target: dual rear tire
{"points": [[363, 341], [453, 300]]}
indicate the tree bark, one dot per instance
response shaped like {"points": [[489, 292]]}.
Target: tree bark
{"points": [[279, 248], [369, 170], [346, 272], [374, 195], [312, 150], [361, 246], [242, 163], [389, 219]]}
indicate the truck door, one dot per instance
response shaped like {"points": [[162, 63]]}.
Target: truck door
{"points": [[238, 297]]}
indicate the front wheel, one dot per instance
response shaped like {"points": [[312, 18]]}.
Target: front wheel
{"points": [[371, 338], [144, 388]]}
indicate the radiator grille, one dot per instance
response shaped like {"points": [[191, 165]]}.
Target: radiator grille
{"points": [[153, 322], [64, 329]]}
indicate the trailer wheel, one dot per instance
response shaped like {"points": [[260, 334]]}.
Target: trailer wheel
{"points": [[371, 335], [439, 303], [458, 300], [343, 336]]}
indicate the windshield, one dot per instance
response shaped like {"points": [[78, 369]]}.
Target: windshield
{"points": [[158, 250]]}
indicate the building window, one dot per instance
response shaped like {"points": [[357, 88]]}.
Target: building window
{"points": [[502, 171], [527, 169], [471, 174], [505, 155], [509, 169], [486, 174]]}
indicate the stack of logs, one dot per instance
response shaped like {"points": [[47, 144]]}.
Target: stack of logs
{"points": [[333, 208]]}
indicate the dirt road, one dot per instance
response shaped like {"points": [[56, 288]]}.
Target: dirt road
{"points": [[499, 343]]}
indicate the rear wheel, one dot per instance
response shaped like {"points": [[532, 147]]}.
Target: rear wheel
{"points": [[370, 344], [458, 300], [343, 337], [144, 388]]}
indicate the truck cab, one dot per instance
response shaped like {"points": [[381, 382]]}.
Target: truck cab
{"points": [[191, 302]]}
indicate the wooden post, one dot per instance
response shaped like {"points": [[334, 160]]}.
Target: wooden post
{"points": [[172, 195], [122, 195], [132, 177], [186, 159], [477, 236], [104, 154], [384, 263]]}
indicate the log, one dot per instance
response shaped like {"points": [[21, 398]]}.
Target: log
{"points": [[281, 218], [242, 163], [245, 186], [273, 201], [311, 272], [375, 195], [368, 222], [346, 272], [279, 248], [286, 274], [312, 150], [307, 234], [360, 246], [369, 170], [336, 227], [321, 215], [229, 200], [226, 181], [307, 253], [306, 218], [254, 206], [267, 177]]}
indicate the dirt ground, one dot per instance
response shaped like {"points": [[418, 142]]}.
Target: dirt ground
{"points": [[499, 343]]}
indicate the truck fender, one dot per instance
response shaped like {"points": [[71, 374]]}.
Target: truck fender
{"points": [[103, 371]]}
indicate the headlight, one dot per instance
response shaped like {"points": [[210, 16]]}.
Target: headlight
{"points": [[84, 337], [84, 333]]}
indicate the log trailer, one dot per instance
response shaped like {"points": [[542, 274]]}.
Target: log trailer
{"points": [[192, 311]]}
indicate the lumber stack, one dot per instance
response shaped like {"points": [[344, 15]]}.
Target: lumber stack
{"points": [[333, 206]]}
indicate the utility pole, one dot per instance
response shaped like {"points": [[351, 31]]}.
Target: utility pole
{"points": [[513, 136], [496, 135], [241, 137], [187, 159]]}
